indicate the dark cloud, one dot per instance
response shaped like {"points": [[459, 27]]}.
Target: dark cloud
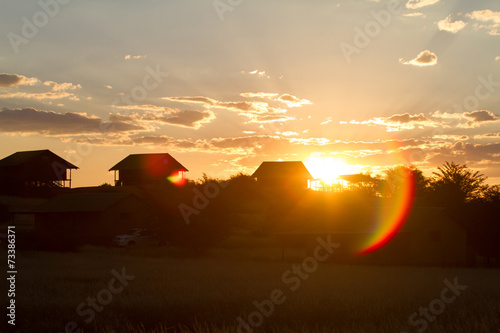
{"points": [[32, 121], [10, 80], [478, 117], [186, 118]]}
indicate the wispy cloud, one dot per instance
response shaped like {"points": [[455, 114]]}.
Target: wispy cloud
{"points": [[424, 58], [415, 4], [415, 14], [40, 96], [259, 95], [62, 86], [292, 101], [134, 57], [326, 121], [487, 16], [488, 136], [255, 111], [398, 122], [451, 137], [18, 86], [257, 73]]}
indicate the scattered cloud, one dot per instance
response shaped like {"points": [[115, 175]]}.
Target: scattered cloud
{"points": [[451, 137], [326, 121], [398, 122], [292, 101], [155, 115], [108, 86], [415, 4], [424, 58], [258, 73], [447, 24], [40, 96], [256, 111], [437, 119], [11, 80], [57, 90], [134, 57], [406, 118], [141, 107], [186, 118], [487, 136], [487, 16], [287, 133], [62, 86]]}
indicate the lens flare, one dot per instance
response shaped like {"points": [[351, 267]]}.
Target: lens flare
{"points": [[391, 215], [177, 179], [392, 210]]}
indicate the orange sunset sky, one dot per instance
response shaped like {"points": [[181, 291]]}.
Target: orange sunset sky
{"points": [[224, 85]]}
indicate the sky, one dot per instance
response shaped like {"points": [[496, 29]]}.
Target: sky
{"points": [[353, 86]]}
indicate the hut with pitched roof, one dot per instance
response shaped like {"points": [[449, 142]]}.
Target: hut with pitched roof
{"points": [[143, 169]]}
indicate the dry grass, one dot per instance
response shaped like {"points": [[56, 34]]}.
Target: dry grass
{"points": [[181, 294]]}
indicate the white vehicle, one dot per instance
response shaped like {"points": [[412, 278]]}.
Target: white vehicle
{"points": [[135, 237]]}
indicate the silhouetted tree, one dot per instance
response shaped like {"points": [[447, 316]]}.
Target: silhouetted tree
{"points": [[492, 194], [457, 183], [403, 176]]}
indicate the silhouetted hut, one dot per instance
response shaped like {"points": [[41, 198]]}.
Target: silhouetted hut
{"points": [[140, 169], [288, 174], [90, 217], [38, 168]]}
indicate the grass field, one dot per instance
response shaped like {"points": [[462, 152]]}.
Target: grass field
{"points": [[171, 292]]}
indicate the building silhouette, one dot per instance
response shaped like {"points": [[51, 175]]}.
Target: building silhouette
{"points": [[143, 169], [34, 169], [283, 174]]}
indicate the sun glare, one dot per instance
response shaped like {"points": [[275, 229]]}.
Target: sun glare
{"points": [[328, 169]]}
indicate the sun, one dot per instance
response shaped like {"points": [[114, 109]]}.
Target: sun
{"points": [[328, 169]]}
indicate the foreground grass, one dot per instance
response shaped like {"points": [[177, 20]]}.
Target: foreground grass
{"points": [[208, 294]]}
